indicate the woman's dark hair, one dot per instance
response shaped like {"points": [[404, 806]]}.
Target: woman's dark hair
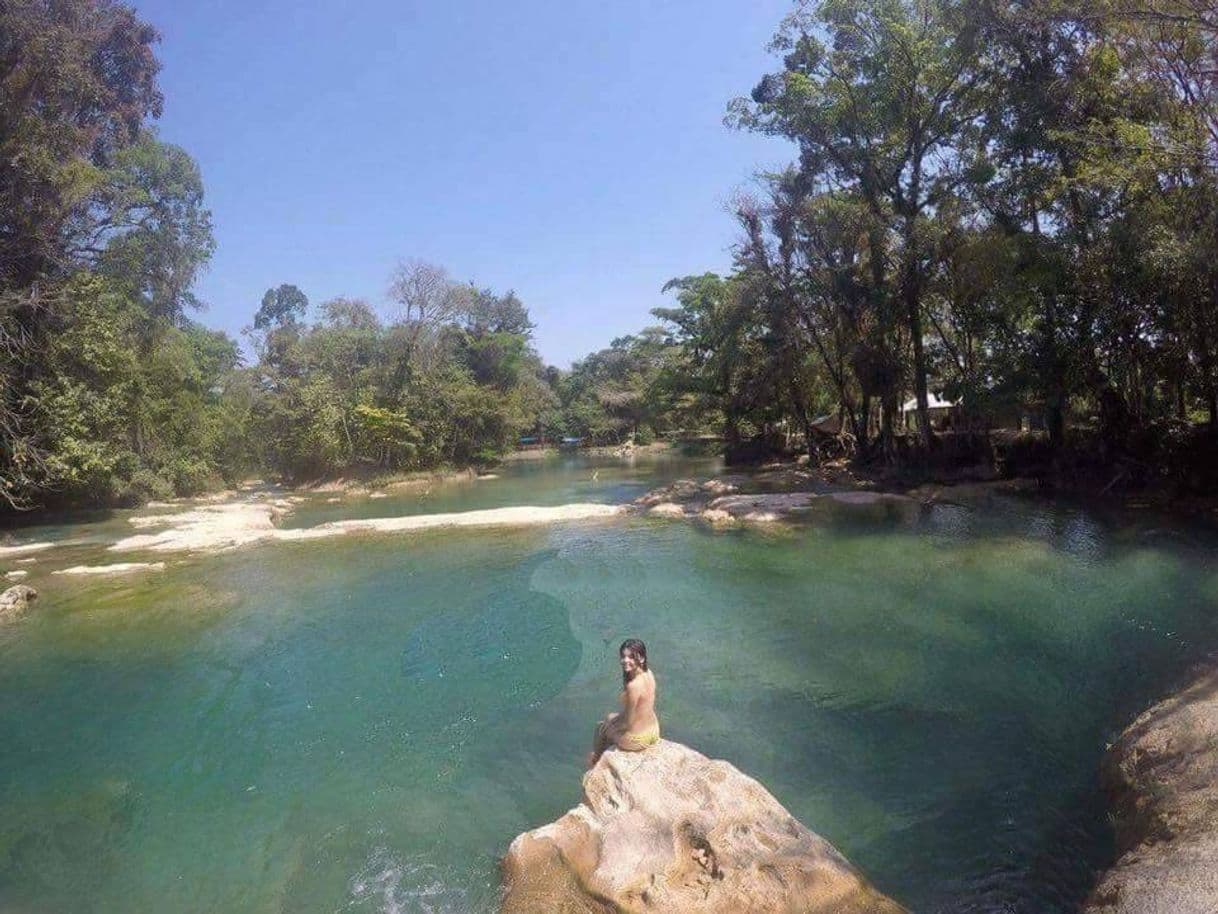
{"points": [[638, 650]]}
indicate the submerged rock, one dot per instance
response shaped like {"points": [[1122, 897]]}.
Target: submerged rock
{"points": [[15, 601], [1162, 779], [666, 509], [683, 490], [717, 517], [669, 830], [775, 504]]}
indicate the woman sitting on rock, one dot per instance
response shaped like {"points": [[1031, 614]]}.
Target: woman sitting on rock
{"points": [[637, 726]]}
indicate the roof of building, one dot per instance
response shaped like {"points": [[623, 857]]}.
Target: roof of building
{"points": [[934, 401]]}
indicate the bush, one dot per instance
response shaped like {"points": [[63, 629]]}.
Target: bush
{"points": [[192, 476], [486, 457], [144, 486]]}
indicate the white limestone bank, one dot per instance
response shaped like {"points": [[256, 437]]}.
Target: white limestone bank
{"points": [[24, 549], [229, 526], [116, 568]]}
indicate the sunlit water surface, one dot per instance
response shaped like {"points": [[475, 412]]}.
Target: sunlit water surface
{"points": [[362, 724]]}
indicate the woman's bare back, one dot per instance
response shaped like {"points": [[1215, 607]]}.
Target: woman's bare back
{"points": [[639, 704]]}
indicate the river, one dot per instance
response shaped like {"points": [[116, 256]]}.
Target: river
{"points": [[362, 723]]}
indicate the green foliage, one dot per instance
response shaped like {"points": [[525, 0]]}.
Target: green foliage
{"points": [[280, 307], [77, 80], [1012, 205], [453, 381], [612, 395], [158, 231], [119, 423], [388, 434]]}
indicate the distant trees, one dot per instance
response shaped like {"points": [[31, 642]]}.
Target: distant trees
{"points": [[884, 109], [281, 307], [1013, 206], [619, 393], [451, 377], [111, 393]]}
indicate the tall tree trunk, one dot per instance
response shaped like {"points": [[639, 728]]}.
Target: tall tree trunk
{"points": [[862, 432], [911, 293], [1205, 359], [1055, 399], [888, 426]]}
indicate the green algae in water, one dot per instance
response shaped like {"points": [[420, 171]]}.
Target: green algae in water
{"points": [[364, 723]]}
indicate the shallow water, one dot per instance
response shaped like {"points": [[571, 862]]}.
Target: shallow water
{"points": [[364, 723]]}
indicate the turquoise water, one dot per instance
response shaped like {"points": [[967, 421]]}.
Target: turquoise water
{"points": [[363, 723]]}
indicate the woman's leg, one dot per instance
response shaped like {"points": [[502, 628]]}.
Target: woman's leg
{"points": [[606, 733]]}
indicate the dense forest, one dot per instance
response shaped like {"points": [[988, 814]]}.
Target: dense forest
{"points": [[1008, 207], [1005, 207]]}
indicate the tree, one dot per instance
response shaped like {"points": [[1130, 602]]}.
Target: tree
{"points": [[77, 81], [427, 298], [349, 314], [281, 307], [885, 105], [155, 234]]}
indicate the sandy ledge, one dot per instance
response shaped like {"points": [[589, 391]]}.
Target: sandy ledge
{"points": [[116, 568], [228, 526], [6, 551]]}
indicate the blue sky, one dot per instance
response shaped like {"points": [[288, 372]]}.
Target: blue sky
{"points": [[571, 150]]}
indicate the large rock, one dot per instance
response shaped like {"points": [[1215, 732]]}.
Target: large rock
{"points": [[1162, 778], [669, 830], [15, 601]]}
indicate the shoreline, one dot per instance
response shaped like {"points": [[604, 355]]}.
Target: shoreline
{"points": [[837, 478], [350, 485], [600, 450], [358, 484]]}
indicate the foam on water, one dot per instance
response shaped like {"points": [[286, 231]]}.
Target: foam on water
{"points": [[391, 884]]}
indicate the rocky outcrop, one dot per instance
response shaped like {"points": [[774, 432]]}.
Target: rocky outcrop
{"points": [[669, 830], [15, 601], [1162, 779], [720, 503], [666, 509]]}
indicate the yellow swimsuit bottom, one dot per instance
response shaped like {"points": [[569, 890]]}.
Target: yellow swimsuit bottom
{"points": [[637, 742]]}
